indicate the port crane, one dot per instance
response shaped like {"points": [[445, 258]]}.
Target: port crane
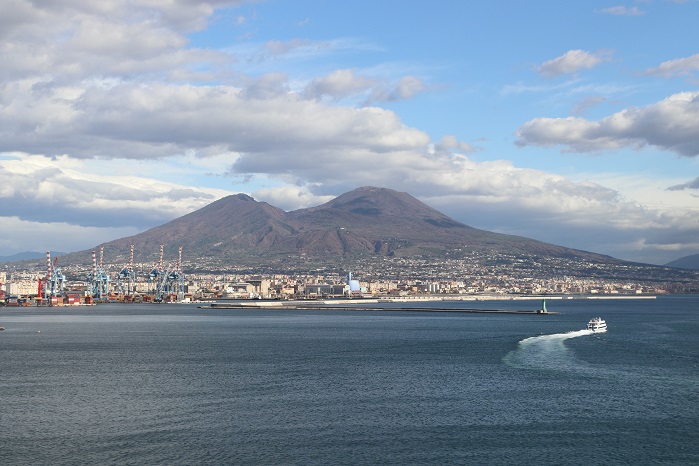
{"points": [[172, 282], [98, 280], [53, 283], [126, 278], [155, 278]]}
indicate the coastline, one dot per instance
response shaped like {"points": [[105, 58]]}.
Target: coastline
{"points": [[384, 304]]}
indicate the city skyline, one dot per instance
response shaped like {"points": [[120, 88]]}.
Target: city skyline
{"points": [[575, 123]]}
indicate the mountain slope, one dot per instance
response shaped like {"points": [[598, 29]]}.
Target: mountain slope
{"points": [[234, 222], [384, 221], [27, 255], [367, 221], [686, 262]]}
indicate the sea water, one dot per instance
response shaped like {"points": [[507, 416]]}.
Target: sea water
{"points": [[175, 384]]}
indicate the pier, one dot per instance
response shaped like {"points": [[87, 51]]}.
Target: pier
{"points": [[364, 305]]}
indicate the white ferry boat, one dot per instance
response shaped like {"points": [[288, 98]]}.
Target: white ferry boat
{"points": [[597, 325]]}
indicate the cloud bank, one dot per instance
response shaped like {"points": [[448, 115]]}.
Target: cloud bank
{"points": [[679, 67], [671, 124]]}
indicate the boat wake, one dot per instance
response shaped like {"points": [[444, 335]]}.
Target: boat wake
{"points": [[546, 352]]}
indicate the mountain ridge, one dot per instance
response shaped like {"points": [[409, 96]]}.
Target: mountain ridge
{"points": [[687, 262], [26, 255], [365, 222]]}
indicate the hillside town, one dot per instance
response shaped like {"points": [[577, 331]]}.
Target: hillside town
{"points": [[495, 274], [392, 244]]}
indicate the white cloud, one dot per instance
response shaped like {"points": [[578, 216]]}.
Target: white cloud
{"points": [[571, 62], [346, 82], [451, 143], [266, 87], [622, 11], [694, 184], [406, 88], [290, 197], [339, 84], [95, 109], [156, 121], [73, 40], [678, 67], [21, 235], [277, 47], [278, 52], [39, 189], [587, 103], [671, 124]]}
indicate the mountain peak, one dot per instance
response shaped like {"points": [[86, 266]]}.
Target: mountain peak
{"points": [[401, 207], [373, 201], [243, 197]]}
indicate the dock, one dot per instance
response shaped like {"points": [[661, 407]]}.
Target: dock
{"points": [[344, 305]]}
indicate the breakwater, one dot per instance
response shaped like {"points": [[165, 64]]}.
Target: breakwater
{"points": [[411, 303], [362, 305]]}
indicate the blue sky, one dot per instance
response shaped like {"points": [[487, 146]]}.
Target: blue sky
{"points": [[575, 123]]}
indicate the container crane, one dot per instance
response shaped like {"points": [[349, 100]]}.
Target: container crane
{"points": [[126, 279], [98, 280], [173, 280], [54, 281], [155, 278]]}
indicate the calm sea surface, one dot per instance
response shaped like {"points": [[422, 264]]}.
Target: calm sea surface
{"points": [[174, 384]]}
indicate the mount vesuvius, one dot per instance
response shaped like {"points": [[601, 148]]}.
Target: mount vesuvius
{"points": [[367, 221]]}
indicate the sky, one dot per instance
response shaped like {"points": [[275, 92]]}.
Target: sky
{"points": [[573, 123]]}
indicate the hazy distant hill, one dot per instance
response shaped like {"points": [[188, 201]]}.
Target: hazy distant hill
{"points": [[686, 262], [27, 255], [365, 222]]}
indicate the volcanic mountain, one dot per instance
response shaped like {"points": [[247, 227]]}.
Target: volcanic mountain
{"points": [[366, 222], [686, 262]]}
